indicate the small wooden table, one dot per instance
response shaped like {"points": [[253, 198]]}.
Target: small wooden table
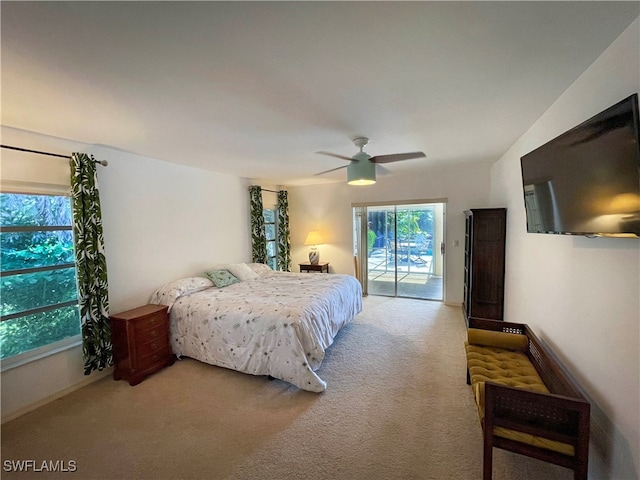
{"points": [[315, 267]]}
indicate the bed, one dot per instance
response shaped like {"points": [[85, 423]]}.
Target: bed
{"points": [[264, 322]]}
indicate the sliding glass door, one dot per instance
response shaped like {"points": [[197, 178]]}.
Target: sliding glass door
{"points": [[399, 249]]}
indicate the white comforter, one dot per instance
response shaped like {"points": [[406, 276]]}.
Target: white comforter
{"points": [[277, 324]]}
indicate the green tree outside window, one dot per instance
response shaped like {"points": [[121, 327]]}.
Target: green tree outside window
{"points": [[39, 303]]}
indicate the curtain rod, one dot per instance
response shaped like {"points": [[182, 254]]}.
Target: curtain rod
{"points": [[104, 163]]}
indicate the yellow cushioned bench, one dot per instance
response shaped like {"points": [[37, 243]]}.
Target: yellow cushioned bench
{"points": [[526, 404]]}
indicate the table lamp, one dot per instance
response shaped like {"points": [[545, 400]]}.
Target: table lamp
{"points": [[314, 239]]}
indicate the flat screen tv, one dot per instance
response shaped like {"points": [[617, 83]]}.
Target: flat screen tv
{"points": [[587, 180]]}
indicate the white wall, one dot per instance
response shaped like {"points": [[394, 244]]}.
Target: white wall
{"points": [[582, 295], [328, 208], [162, 221]]}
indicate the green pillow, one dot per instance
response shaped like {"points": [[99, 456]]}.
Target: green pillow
{"points": [[221, 278]]}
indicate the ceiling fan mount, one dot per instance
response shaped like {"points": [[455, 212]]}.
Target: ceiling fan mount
{"points": [[360, 142], [362, 167]]}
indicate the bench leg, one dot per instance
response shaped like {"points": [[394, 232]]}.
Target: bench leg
{"points": [[487, 463], [580, 472]]}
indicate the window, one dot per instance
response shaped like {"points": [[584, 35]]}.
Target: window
{"points": [[39, 304], [271, 229]]}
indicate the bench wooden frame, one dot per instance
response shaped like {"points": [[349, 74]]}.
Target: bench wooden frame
{"points": [[561, 415]]}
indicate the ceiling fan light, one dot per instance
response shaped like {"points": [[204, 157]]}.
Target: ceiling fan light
{"points": [[361, 173]]}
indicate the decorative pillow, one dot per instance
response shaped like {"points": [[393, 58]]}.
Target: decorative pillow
{"points": [[260, 268], [488, 338], [241, 271], [169, 293], [221, 278]]}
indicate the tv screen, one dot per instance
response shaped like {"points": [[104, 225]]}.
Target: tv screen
{"points": [[587, 180]]}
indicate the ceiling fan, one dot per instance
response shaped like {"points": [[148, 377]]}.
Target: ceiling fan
{"points": [[362, 166]]}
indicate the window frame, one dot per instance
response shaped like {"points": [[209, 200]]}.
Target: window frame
{"points": [[272, 260], [59, 345]]}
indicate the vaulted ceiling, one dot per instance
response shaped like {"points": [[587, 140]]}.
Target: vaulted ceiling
{"points": [[255, 88]]}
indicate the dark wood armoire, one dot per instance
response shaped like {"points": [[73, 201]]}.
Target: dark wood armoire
{"points": [[484, 258]]}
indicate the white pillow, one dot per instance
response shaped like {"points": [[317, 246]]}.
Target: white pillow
{"points": [[241, 271], [169, 293], [260, 268]]}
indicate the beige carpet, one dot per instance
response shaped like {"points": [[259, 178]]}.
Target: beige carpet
{"points": [[397, 407]]}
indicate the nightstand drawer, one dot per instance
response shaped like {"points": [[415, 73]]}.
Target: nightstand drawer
{"points": [[155, 321], [315, 267], [151, 334], [159, 357], [155, 345]]}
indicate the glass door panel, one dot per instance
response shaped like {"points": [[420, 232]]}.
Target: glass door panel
{"points": [[404, 258], [381, 251], [417, 235]]}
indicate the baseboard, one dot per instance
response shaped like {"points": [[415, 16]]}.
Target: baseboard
{"points": [[453, 304], [29, 408]]}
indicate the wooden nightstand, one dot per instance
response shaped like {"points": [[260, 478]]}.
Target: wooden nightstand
{"points": [[314, 267], [140, 339]]}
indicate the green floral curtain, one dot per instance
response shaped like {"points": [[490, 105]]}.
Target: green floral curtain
{"points": [[284, 241], [258, 236], [91, 265]]}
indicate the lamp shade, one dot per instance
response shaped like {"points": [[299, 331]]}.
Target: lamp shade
{"points": [[362, 172], [625, 203], [314, 238]]}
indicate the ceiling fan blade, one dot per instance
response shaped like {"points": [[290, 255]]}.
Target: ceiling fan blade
{"points": [[382, 171], [335, 155], [396, 157], [332, 170]]}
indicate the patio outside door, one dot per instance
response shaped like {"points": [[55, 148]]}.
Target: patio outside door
{"points": [[402, 256]]}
